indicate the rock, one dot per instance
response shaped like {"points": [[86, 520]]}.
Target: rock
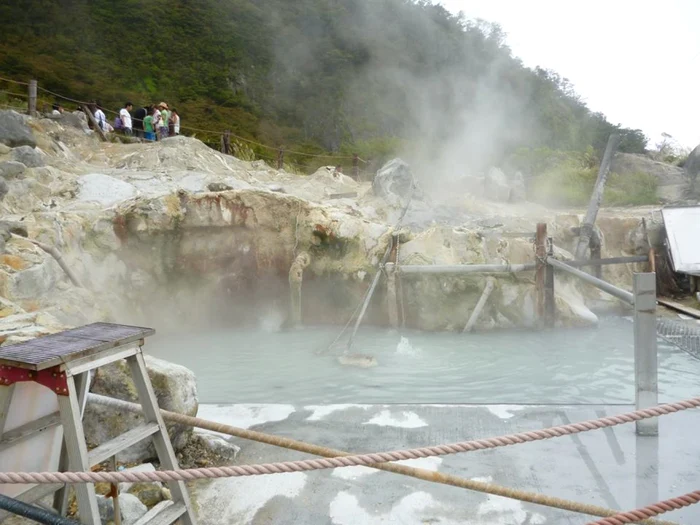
{"points": [[11, 169], [125, 486], [103, 189], [4, 188], [673, 183], [218, 186], [30, 157], [496, 186], [14, 130], [692, 168], [9, 227], [4, 149], [175, 387], [148, 493], [130, 508], [219, 446], [394, 182]]}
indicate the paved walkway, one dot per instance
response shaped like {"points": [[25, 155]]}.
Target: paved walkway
{"points": [[611, 467]]}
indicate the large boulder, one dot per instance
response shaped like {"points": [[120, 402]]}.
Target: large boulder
{"points": [[673, 183], [131, 508], [394, 182], [14, 130], [692, 167], [175, 387], [11, 169], [28, 156]]}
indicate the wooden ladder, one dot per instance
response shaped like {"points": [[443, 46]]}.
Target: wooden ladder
{"points": [[63, 362]]}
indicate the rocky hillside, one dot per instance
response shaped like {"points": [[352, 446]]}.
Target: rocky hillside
{"points": [[319, 75], [207, 238]]}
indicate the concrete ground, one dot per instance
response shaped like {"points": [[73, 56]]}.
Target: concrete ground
{"points": [[611, 468]]}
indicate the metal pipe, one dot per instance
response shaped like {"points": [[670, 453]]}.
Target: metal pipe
{"points": [[611, 260], [646, 383], [20, 508], [466, 268], [621, 294]]}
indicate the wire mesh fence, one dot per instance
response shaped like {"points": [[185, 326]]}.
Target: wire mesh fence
{"points": [[683, 334]]}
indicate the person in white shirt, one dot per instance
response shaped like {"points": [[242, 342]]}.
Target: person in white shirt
{"points": [[100, 117], [175, 121], [125, 116]]}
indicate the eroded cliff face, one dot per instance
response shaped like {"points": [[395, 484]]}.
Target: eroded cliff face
{"points": [[174, 233]]}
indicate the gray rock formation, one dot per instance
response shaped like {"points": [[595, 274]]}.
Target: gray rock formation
{"points": [[29, 156], [394, 182], [175, 388], [692, 169], [4, 188], [14, 130], [11, 169], [673, 183], [130, 507], [218, 446]]}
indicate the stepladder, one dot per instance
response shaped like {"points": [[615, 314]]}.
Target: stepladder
{"points": [[55, 371]]}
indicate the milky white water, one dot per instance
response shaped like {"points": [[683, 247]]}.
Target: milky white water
{"points": [[593, 365]]}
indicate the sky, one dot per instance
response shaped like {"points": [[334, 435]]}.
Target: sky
{"points": [[636, 61]]}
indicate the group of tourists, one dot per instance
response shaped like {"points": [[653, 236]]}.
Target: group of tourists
{"points": [[154, 122]]}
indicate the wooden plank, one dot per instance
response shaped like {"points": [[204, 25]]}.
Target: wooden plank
{"points": [[55, 349], [122, 442], [105, 357], [69, 407], [32, 428], [153, 512], [161, 440], [673, 305]]}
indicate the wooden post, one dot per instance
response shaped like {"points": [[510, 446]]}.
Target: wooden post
{"points": [[645, 351], [226, 143], [550, 307], [31, 110], [391, 296], [541, 256], [596, 197], [356, 166], [296, 276], [280, 158], [94, 123]]}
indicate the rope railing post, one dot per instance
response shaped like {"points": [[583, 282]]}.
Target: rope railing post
{"points": [[645, 352], [356, 166], [31, 107], [280, 158]]}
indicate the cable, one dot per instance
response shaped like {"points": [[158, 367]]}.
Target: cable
{"points": [[20, 508], [23, 95], [14, 81]]}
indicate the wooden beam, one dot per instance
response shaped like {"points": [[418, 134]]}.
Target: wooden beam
{"points": [[541, 257], [94, 123], [673, 305]]}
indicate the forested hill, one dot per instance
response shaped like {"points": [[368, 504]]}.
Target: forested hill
{"points": [[319, 75]]}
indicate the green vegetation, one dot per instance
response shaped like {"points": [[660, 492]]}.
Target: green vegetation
{"points": [[317, 76], [568, 180]]}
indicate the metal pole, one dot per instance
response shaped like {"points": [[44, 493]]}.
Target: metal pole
{"points": [[596, 197], [391, 295], [32, 98], [599, 283], [645, 355], [467, 268]]}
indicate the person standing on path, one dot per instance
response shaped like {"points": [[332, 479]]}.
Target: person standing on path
{"points": [[139, 116], [163, 124], [174, 123], [157, 121], [125, 116], [100, 117], [148, 126]]}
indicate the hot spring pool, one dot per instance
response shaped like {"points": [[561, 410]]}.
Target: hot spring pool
{"points": [[572, 366]]}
